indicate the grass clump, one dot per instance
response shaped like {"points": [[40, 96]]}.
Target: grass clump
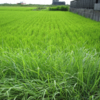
{"points": [[72, 75]]}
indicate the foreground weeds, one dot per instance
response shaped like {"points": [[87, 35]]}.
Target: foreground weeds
{"points": [[72, 75]]}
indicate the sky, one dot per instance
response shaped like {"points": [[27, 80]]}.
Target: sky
{"points": [[32, 1]]}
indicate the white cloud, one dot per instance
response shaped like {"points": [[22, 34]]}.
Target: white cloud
{"points": [[32, 1]]}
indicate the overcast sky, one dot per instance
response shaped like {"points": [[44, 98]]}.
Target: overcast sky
{"points": [[32, 1]]}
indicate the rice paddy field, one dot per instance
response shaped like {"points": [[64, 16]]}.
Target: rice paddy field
{"points": [[48, 55]]}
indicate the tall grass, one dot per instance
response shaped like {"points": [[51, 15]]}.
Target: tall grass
{"points": [[49, 56]]}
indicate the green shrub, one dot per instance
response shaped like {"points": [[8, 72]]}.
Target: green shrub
{"points": [[59, 8], [40, 8]]}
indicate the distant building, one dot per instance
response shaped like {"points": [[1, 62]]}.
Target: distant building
{"points": [[89, 4], [86, 8], [21, 3], [56, 2]]}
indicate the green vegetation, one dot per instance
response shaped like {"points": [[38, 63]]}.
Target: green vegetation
{"points": [[47, 55], [26, 5], [41, 8], [59, 8], [17, 8]]}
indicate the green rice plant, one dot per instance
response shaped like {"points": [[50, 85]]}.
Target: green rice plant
{"points": [[46, 55]]}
